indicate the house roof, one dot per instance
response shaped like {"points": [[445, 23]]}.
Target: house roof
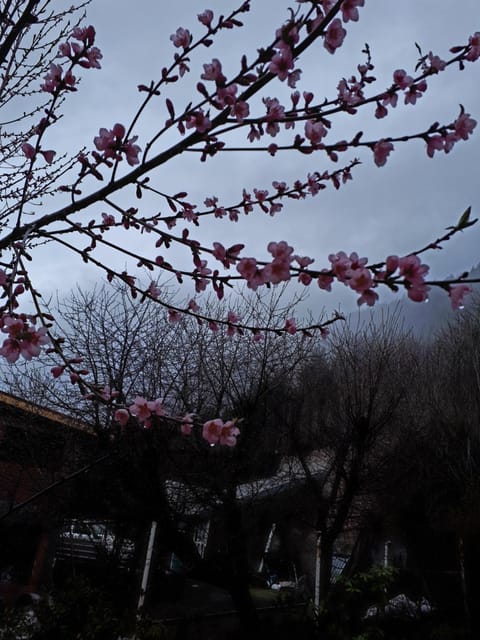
{"points": [[290, 473], [48, 414], [190, 500]]}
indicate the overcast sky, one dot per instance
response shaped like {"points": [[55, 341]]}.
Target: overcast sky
{"points": [[393, 209]]}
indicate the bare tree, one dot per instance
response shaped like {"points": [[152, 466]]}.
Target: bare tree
{"points": [[202, 372], [347, 406]]}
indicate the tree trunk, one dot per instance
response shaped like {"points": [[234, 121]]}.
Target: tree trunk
{"points": [[461, 562], [239, 583], [326, 558]]}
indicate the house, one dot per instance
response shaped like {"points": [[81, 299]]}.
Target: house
{"points": [[39, 448]]}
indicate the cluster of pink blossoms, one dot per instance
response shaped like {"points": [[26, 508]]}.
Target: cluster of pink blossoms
{"points": [[113, 145], [30, 153], [226, 93], [24, 339], [462, 128], [273, 273], [214, 431], [56, 78], [84, 54], [219, 432], [282, 62], [352, 271], [141, 409], [413, 272]]}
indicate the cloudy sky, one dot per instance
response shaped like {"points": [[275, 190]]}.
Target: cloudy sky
{"points": [[393, 209]]}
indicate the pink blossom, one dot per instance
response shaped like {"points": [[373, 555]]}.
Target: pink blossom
{"points": [[281, 250], [390, 98], [287, 37], [275, 111], [401, 78], [232, 319], [108, 219], [328, 5], [156, 407], [240, 110], [474, 44], [381, 151], [418, 292], [226, 256], [206, 17], [193, 306], [228, 434], [464, 126], [213, 71], [293, 78], [93, 56], [108, 394], [350, 94], [186, 425], [57, 371], [368, 297], [412, 269], [131, 151], [110, 141], [435, 143], [140, 409], [64, 50], [23, 338], [349, 9], [290, 326], [325, 280], [456, 293], [304, 261], [391, 264], [315, 131], [154, 290], [226, 95], [211, 431], [10, 350], [174, 316], [276, 271], [436, 63], [28, 150], [380, 111], [344, 266], [305, 278], [199, 121], [85, 34], [247, 268], [313, 182], [334, 36], [121, 416], [360, 280], [48, 155], [53, 79], [219, 432], [181, 38], [415, 91], [281, 63], [449, 141]]}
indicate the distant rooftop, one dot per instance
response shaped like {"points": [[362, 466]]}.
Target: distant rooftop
{"points": [[48, 414]]}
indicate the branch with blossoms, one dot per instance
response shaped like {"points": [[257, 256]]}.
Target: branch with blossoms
{"points": [[119, 161], [147, 412]]}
